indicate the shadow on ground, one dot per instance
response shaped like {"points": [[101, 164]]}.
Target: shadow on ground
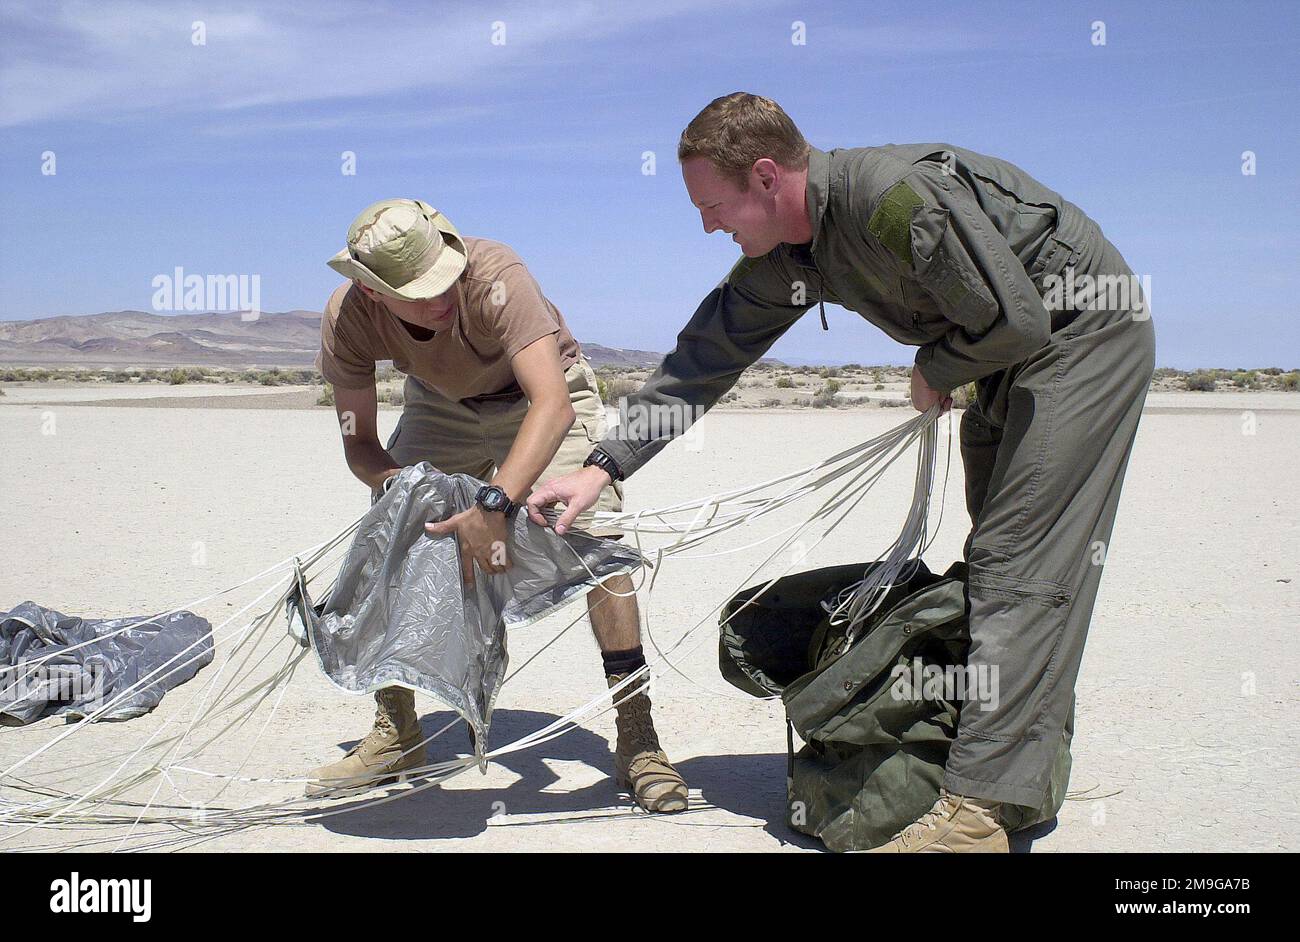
{"points": [[751, 786], [747, 785]]}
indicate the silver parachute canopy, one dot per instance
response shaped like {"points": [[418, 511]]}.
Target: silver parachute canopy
{"points": [[399, 613]]}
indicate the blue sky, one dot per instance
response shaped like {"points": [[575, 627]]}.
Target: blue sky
{"points": [[225, 157]]}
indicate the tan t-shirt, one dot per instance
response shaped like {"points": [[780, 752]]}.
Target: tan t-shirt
{"points": [[504, 311]]}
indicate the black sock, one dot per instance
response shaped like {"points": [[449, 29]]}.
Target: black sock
{"points": [[623, 662]]}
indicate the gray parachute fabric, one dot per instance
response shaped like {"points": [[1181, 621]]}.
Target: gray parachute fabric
{"points": [[399, 613], [42, 672]]}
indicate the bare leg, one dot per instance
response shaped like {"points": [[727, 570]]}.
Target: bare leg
{"points": [[615, 621], [639, 762]]}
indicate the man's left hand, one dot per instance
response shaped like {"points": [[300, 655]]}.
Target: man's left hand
{"points": [[482, 536], [924, 398]]}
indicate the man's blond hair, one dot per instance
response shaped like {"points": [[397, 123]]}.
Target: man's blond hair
{"points": [[738, 129]]}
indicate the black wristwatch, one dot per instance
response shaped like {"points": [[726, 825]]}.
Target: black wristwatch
{"points": [[494, 500], [605, 463]]}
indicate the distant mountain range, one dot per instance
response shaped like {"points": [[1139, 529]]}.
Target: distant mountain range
{"points": [[231, 339]]}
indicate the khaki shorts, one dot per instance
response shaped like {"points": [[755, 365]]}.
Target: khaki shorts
{"points": [[473, 436]]}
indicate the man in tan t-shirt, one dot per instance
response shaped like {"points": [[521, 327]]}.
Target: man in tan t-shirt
{"points": [[496, 388]]}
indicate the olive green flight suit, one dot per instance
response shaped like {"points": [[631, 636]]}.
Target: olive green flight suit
{"points": [[995, 278]]}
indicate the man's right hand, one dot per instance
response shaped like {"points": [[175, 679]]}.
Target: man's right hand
{"points": [[578, 490]]}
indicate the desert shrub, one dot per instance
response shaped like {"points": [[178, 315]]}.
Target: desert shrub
{"points": [[269, 379], [785, 382], [326, 397], [963, 396], [825, 397], [611, 391], [395, 396], [879, 386], [770, 403], [178, 377], [827, 372], [1290, 381], [1200, 381], [894, 403], [1245, 380], [730, 397]]}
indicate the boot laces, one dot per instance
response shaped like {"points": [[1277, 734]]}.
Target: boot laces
{"points": [[940, 811]]}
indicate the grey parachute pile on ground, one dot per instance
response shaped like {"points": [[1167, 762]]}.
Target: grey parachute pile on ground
{"points": [[52, 663]]}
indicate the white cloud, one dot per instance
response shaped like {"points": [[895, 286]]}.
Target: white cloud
{"points": [[100, 60]]}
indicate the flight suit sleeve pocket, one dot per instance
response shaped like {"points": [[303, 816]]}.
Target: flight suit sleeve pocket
{"points": [[944, 269]]}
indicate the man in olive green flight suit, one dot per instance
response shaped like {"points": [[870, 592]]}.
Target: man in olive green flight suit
{"points": [[1001, 282]]}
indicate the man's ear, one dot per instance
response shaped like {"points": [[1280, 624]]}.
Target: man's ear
{"points": [[765, 173]]}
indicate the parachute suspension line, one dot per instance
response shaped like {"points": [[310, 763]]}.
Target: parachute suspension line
{"points": [[871, 475], [85, 796], [316, 552], [711, 516], [873, 458], [445, 769], [859, 601], [319, 549]]}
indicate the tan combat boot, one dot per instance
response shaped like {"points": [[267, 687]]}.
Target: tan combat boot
{"points": [[641, 766], [392, 746], [955, 825]]}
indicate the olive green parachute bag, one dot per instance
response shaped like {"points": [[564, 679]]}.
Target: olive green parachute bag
{"points": [[875, 742]]}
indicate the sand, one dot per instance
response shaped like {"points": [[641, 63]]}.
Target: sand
{"points": [[1186, 736]]}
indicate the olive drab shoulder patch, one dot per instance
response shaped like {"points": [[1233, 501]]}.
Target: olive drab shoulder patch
{"points": [[891, 223]]}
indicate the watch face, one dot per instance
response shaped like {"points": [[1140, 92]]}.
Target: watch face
{"points": [[493, 498]]}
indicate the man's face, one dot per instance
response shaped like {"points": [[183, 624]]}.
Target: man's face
{"points": [[431, 314], [749, 215]]}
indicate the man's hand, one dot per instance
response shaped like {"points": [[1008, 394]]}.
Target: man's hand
{"points": [[924, 398], [579, 490], [482, 536]]}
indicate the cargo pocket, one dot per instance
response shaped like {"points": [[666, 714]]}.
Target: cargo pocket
{"points": [[1013, 589], [584, 394]]}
